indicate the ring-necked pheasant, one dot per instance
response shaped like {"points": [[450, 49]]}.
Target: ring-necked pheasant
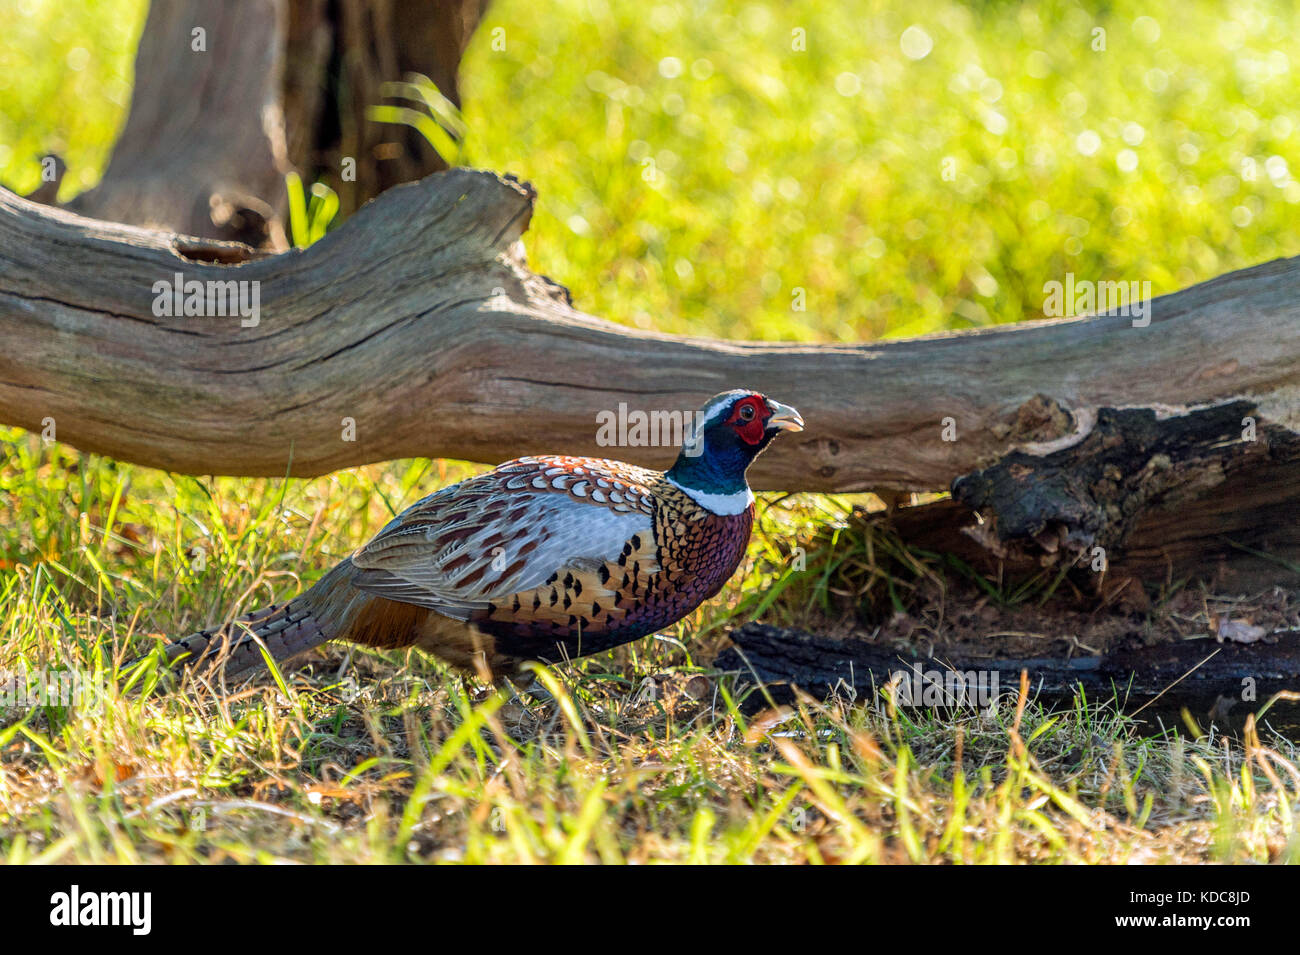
{"points": [[542, 558]]}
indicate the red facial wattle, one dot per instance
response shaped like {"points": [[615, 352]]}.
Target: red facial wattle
{"points": [[751, 431]]}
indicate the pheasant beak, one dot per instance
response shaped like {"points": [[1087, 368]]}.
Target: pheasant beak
{"points": [[784, 418]]}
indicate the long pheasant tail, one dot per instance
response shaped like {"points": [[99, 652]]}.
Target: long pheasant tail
{"points": [[284, 630], [235, 649]]}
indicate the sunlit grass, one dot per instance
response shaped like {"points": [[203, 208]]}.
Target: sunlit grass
{"points": [[696, 170], [637, 755]]}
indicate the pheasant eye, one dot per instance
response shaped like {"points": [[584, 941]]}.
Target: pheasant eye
{"points": [[747, 413]]}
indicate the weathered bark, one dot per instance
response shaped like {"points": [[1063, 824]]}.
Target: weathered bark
{"points": [[1085, 502], [1242, 535], [417, 329], [419, 320]]}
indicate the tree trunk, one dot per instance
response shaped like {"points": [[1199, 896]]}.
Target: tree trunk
{"points": [[203, 150], [417, 329], [340, 54], [231, 96]]}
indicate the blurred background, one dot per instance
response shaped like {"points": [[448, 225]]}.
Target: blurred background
{"points": [[707, 168]]}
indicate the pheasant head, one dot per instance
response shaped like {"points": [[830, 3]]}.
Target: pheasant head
{"points": [[731, 430]]}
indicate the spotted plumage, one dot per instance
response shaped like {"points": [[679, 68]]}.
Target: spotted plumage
{"points": [[677, 555], [544, 558]]}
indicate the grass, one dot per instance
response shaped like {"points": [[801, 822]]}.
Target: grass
{"points": [[637, 755], [695, 172]]}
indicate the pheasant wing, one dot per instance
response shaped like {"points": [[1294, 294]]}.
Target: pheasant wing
{"points": [[505, 532]]}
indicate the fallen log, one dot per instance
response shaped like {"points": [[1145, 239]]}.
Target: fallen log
{"points": [[418, 323], [416, 329], [1198, 673]]}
